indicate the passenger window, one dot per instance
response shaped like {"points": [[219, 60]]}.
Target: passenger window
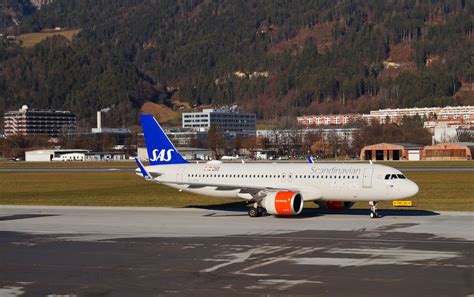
{"points": [[387, 176]]}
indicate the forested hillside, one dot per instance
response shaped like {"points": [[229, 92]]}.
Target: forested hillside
{"points": [[275, 58], [12, 13]]}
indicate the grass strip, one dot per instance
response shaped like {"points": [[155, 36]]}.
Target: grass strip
{"points": [[438, 191]]}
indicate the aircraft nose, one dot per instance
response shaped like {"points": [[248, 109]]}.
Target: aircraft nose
{"points": [[411, 189]]}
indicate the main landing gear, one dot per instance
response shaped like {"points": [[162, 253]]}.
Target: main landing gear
{"points": [[256, 211], [373, 210]]}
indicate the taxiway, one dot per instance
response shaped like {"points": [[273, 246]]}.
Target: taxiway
{"points": [[106, 251]]}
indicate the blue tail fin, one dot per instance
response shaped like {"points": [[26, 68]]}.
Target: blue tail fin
{"points": [[160, 149]]}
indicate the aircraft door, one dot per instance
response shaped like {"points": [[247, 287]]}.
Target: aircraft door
{"points": [[180, 174], [367, 178]]}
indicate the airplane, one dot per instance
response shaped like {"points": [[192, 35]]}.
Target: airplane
{"points": [[273, 188]]}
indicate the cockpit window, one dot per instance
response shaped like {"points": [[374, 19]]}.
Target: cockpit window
{"points": [[395, 176]]}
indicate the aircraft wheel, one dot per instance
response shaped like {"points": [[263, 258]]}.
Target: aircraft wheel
{"points": [[253, 212], [373, 210], [374, 215]]}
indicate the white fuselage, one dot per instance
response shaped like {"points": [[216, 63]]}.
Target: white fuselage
{"points": [[319, 181]]}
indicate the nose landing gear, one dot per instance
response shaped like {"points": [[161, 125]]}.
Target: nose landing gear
{"points": [[373, 210]]}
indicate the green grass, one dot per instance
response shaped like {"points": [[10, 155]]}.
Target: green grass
{"points": [[92, 188], [438, 191]]}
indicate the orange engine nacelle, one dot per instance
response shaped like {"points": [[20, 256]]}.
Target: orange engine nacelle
{"points": [[283, 203], [335, 204]]}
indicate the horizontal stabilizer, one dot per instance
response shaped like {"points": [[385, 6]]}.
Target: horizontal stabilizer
{"points": [[144, 172]]}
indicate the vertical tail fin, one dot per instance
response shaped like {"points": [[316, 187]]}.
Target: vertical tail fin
{"points": [[160, 149]]}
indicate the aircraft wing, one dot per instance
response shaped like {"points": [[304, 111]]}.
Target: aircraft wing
{"points": [[256, 192]]}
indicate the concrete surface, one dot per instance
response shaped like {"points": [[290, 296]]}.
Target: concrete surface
{"points": [[106, 251]]}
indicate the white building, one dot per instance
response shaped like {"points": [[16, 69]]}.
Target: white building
{"points": [[68, 155], [48, 155], [463, 114], [231, 122]]}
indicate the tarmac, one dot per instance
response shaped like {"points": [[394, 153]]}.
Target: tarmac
{"points": [[127, 251]]}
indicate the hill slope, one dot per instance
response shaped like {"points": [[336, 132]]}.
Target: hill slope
{"points": [[271, 57], [12, 12]]}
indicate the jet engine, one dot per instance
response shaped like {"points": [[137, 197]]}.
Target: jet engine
{"points": [[283, 203], [334, 204]]}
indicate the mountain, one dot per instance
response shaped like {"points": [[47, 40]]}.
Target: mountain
{"points": [[12, 12], [276, 58]]}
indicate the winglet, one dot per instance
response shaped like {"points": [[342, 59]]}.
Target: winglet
{"points": [[145, 173], [310, 159]]}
